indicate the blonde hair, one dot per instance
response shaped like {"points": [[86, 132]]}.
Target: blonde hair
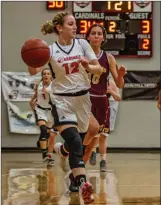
{"points": [[50, 26]]}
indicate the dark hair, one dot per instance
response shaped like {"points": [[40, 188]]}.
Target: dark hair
{"points": [[50, 26], [97, 25]]}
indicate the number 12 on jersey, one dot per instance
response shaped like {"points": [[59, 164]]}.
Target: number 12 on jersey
{"points": [[71, 67]]}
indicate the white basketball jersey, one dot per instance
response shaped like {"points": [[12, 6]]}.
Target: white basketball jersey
{"points": [[70, 75], [43, 99]]}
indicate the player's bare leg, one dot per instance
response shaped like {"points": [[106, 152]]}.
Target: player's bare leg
{"points": [[51, 143], [63, 151], [43, 139], [71, 136], [89, 149], [102, 151], [93, 130]]}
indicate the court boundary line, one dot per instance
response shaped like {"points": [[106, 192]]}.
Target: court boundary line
{"points": [[109, 149]]}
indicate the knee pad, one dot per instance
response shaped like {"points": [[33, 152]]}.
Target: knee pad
{"points": [[38, 144], [82, 135], [74, 142], [43, 133], [65, 147]]}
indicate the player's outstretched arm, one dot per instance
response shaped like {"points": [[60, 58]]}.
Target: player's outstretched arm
{"points": [[93, 66], [117, 74], [113, 90], [34, 71], [33, 99]]}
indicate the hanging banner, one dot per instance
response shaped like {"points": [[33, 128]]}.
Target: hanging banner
{"points": [[141, 85], [18, 86], [21, 122]]}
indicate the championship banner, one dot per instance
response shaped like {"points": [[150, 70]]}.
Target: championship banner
{"points": [[141, 85], [21, 122], [18, 86]]}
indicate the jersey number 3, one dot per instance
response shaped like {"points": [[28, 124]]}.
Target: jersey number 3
{"points": [[71, 68]]}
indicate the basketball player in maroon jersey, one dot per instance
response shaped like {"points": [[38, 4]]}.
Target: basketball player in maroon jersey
{"points": [[113, 94], [96, 35]]}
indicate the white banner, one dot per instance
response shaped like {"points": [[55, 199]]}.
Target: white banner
{"points": [[18, 86], [21, 122]]}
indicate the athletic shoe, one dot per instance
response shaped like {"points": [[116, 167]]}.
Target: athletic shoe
{"points": [[50, 161], [92, 160], [86, 191], [45, 157], [103, 167]]}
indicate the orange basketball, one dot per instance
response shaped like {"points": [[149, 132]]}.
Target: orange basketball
{"points": [[35, 52]]}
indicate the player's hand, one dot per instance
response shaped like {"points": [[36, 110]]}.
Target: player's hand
{"points": [[45, 91], [85, 62], [122, 71], [33, 104], [109, 89]]}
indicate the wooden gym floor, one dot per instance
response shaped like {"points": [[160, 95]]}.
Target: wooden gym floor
{"points": [[131, 179]]}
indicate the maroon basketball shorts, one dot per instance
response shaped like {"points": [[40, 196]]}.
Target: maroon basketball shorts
{"points": [[101, 111]]}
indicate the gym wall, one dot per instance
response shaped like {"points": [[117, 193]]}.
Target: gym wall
{"points": [[138, 122]]}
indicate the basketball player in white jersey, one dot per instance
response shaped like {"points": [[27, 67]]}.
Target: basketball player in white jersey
{"points": [[120, 84], [71, 106], [42, 109]]}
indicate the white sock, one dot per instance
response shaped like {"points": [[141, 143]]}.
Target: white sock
{"points": [[94, 149], [57, 148], [103, 157], [50, 154]]}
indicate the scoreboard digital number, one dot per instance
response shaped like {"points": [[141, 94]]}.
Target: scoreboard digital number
{"points": [[128, 25], [55, 5]]}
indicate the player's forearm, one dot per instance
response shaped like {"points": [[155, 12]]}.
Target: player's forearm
{"points": [[115, 95], [95, 69], [33, 98], [34, 71], [120, 81]]}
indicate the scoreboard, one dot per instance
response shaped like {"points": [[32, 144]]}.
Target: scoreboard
{"points": [[55, 5], [128, 25]]}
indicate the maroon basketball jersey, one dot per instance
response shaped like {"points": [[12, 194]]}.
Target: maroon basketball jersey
{"points": [[99, 83]]}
